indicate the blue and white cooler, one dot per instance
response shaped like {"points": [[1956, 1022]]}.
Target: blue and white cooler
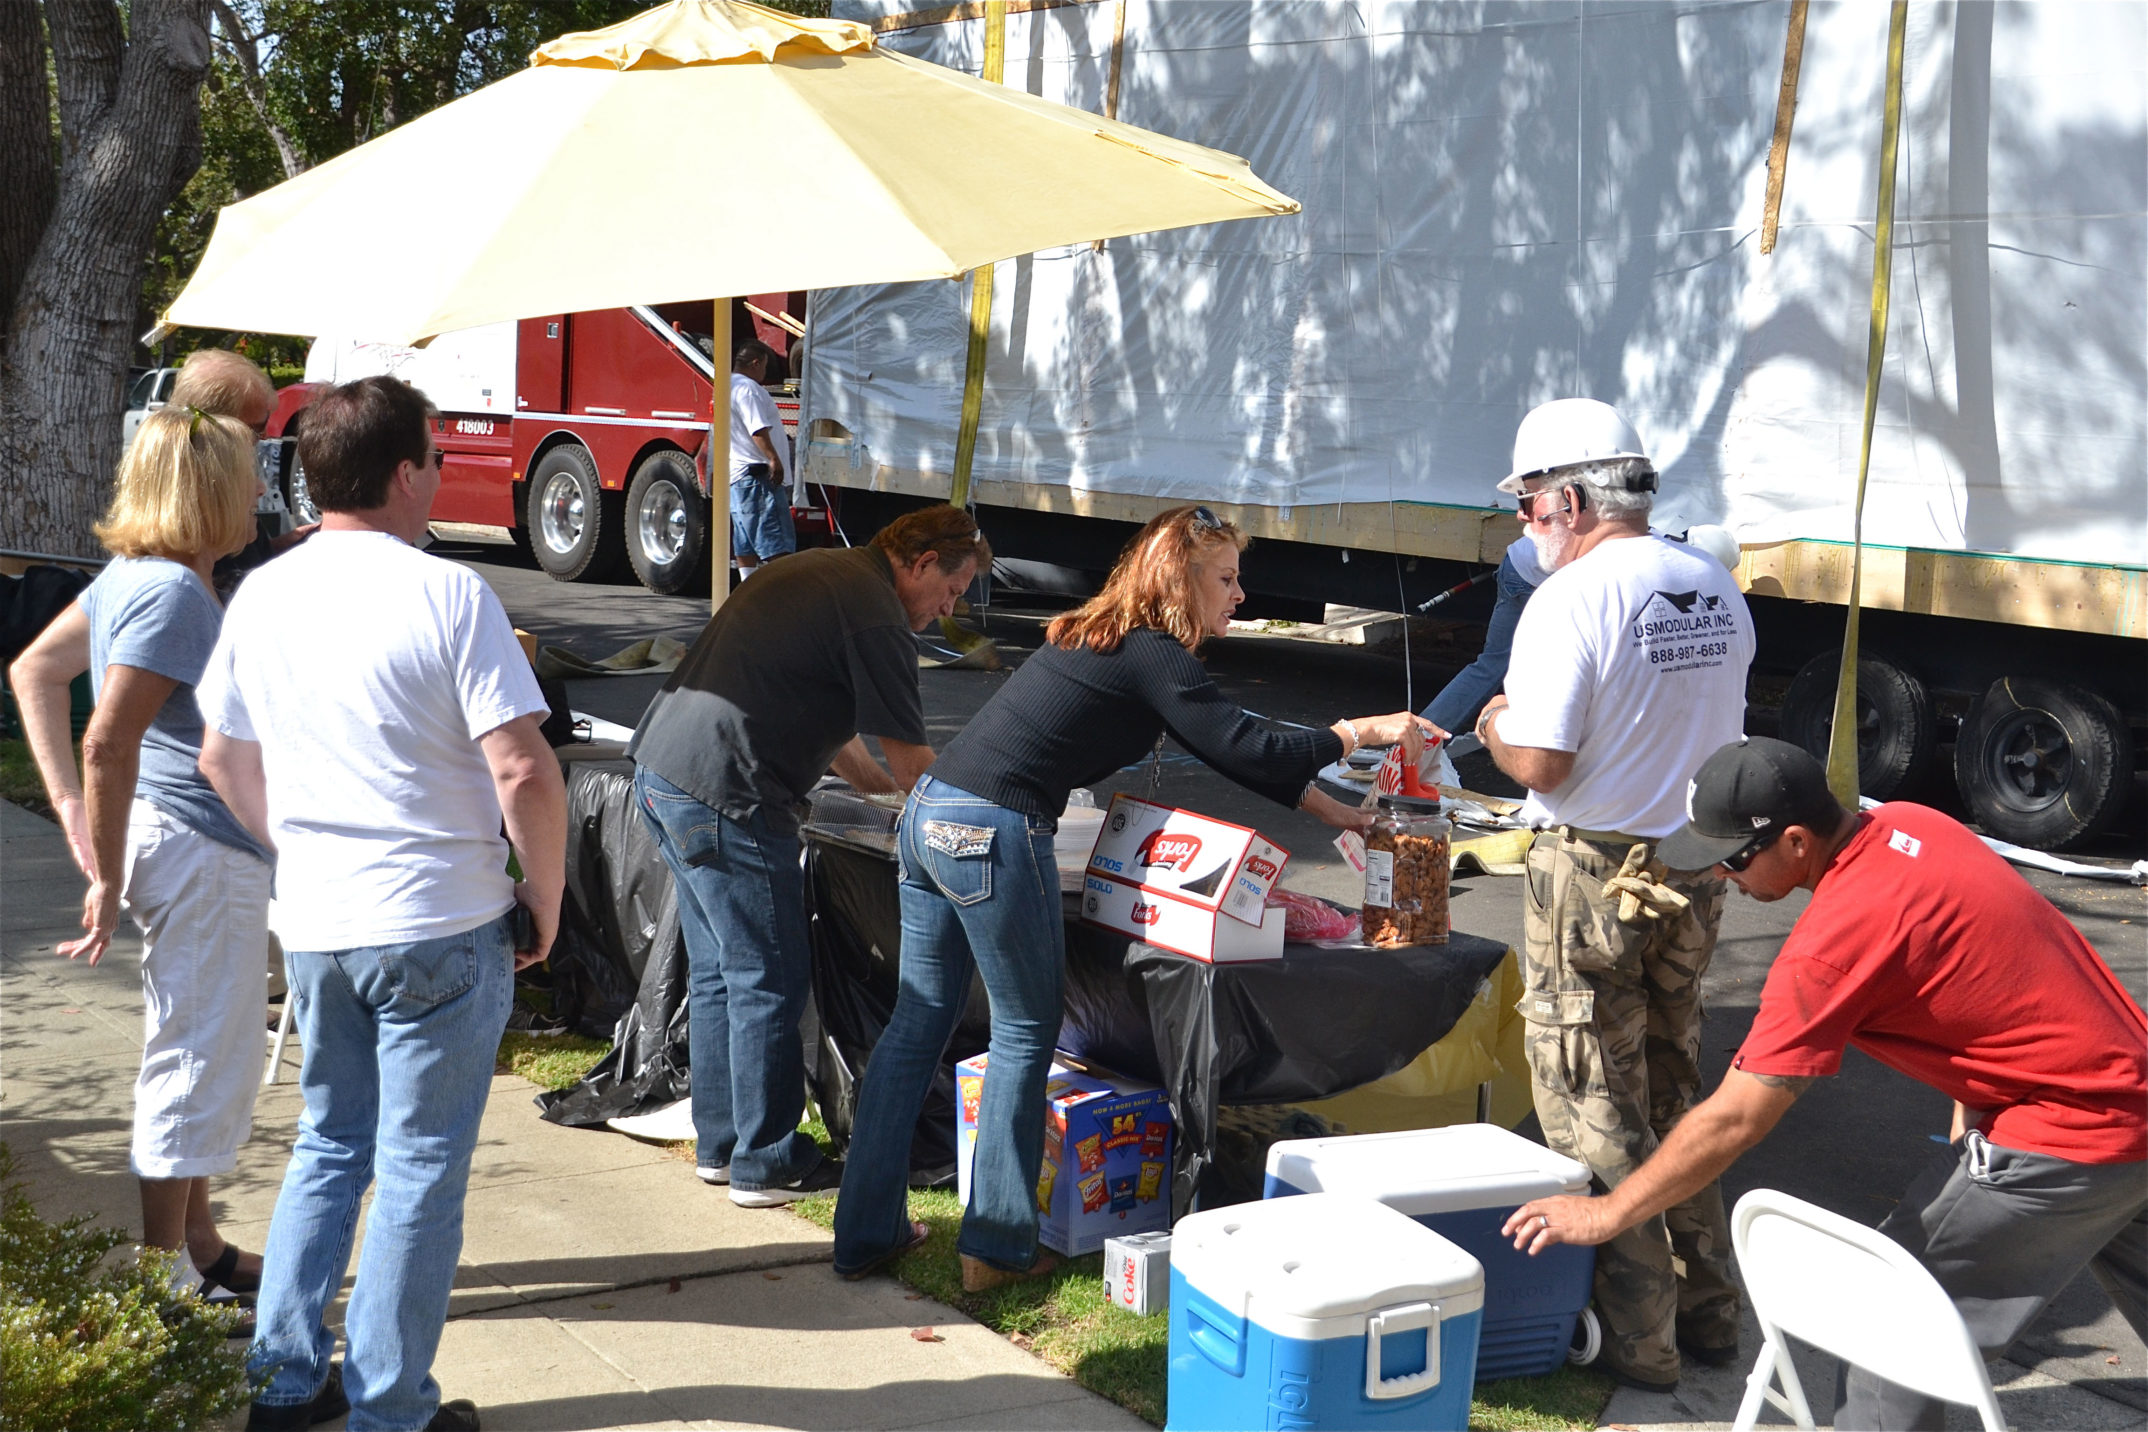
{"points": [[1462, 1182], [1322, 1312]]}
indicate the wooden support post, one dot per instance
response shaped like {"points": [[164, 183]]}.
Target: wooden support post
{"points": [[719, 456], [1785, 112]]}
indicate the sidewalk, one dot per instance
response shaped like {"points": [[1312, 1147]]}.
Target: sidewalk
{"points": [[601, 1284]]}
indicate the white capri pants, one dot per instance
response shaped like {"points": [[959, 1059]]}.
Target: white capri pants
{"points": [[203, 911]]}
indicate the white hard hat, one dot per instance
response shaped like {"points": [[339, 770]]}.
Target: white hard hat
{"points": [[1717, 542], [1570, 431]]}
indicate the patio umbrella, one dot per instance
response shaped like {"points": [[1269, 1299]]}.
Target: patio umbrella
{"points": [[633, 165]]}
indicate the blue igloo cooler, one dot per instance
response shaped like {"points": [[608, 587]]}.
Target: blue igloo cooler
{"points": [[1462, 1182], [1328, 1311]]}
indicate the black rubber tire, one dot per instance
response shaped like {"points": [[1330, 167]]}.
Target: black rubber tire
{"points": [[520, 530], [570, 522], [2043, 763], [1897, 732], [667, 523]]}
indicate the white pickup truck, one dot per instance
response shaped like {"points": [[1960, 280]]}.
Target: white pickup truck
{"points": [[152, 389]]}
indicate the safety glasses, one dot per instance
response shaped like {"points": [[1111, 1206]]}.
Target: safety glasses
{"points": [[1528, 500], [1736, 864]]}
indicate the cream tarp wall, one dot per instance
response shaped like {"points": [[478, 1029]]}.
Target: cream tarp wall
{"points": [[1506, 203]]}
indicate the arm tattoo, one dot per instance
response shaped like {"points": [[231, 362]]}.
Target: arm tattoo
{"points": [[1796, 1084]]}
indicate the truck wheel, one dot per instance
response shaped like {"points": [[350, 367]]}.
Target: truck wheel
{"points": [[519, 533], [566, 516], [1897, 734], [2043, 763], [667, 523]]}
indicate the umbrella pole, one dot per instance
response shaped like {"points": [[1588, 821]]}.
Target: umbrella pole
{"points": [[719, 451]]}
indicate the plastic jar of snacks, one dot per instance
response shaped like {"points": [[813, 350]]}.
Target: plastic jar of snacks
{"points": [[1406, 867]]}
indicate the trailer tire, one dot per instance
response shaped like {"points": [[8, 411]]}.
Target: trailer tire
{"points": [[1897, 733], [2043, 763], [667, 523], [568, 518]]}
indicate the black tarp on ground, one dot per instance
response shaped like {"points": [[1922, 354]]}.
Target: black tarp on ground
{"points": [[619, 964]]}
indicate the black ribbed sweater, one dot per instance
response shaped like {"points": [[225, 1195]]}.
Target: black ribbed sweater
{"points": [[1071, 718]]}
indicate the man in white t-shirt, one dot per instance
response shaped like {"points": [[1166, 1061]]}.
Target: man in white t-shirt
{"points": [[370, 713], [1628, 671], [761, 527]]}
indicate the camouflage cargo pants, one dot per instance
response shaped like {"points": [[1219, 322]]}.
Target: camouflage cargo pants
{"points": [[1613, 1019]]}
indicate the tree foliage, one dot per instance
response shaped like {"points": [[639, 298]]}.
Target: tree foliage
{"points": [[297, 82]]}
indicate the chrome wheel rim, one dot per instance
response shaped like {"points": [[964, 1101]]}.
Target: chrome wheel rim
{"points": [[560, 513], [303, 512], [660, 523]]}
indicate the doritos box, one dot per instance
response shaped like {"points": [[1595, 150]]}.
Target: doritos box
{"points": [[1107, 1151]]}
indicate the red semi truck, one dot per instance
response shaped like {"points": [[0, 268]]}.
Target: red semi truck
{"points": [[575, 434]]}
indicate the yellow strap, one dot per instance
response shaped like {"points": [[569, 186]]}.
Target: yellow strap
{"points": [[1842, 743], [995, 67]]}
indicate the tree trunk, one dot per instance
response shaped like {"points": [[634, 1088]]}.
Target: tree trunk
{"points": [[131, 122], [26, 158]]}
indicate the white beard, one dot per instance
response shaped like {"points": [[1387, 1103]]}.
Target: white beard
{"points": [[1555, 543]]}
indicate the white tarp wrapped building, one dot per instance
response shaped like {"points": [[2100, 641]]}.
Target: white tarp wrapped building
{"points": [[1506, 203]]}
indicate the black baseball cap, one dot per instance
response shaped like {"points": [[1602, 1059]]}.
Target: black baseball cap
{"points": [[1747, 791]]}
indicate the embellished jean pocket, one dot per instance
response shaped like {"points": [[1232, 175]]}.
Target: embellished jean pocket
{"points": [[960, 857]]}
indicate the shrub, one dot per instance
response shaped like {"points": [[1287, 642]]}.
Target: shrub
{"points": [[89, 1344]]}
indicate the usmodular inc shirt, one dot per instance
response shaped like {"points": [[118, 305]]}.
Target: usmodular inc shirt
{"points": [[1634, 659]]}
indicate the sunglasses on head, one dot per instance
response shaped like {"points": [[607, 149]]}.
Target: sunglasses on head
{"points": [[1736, 864], [1206, 521]]}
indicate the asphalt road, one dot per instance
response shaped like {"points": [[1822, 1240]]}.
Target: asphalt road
{"points": [[1850, 1144]]}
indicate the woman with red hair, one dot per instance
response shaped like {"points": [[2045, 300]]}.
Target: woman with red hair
{"points": [[980, 887]]}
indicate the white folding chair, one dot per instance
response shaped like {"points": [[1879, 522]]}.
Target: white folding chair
{"points": [[1854, 1292], [273, 1074]]}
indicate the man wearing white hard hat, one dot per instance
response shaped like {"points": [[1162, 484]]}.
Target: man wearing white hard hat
{"points": [[1628, 669]]}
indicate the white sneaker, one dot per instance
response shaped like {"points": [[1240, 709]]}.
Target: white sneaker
{"points": [[719, 1175], [826, 1177]]}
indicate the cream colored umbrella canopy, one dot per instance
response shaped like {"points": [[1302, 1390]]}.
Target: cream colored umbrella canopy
{"points": [[706, 147]]}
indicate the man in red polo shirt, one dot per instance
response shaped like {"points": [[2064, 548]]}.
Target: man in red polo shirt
{"points": [[1929, 953]]}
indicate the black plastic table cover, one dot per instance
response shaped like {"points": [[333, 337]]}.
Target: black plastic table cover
{"points": [[1313, 1024]]}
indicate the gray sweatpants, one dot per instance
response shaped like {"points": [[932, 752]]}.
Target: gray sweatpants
{"points": [[2003, 1232]]}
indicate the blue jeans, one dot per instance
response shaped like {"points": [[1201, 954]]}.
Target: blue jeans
{"points": [[1456, 707], [761, 519], [399, 1045], [979, 889], [748, 971]]}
